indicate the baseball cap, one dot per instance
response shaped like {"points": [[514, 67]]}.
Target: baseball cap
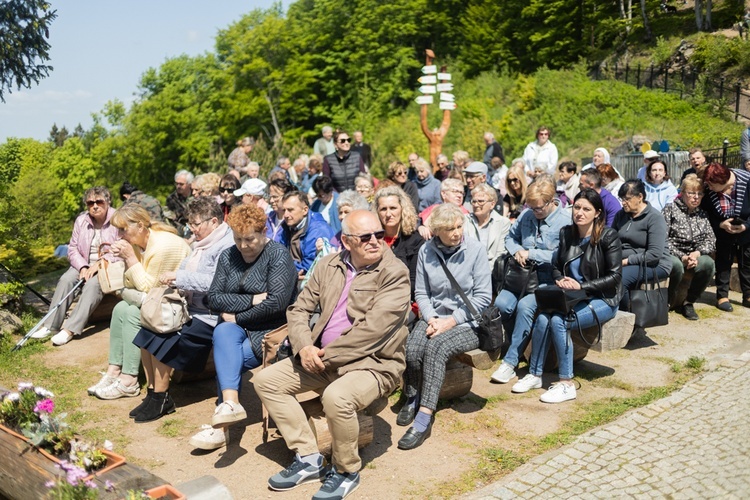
{"points": [[255, 187]]}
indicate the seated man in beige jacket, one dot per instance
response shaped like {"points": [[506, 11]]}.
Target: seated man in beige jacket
{"points": [[353, 355]]}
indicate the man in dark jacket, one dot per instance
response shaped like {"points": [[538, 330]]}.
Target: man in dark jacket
{"points": [[343, 165], [363, 149], [493, 150]]}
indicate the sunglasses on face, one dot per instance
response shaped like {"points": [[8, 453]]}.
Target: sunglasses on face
{"points": [[226, 190], [342, 141], [91, 203], [364, 238]]}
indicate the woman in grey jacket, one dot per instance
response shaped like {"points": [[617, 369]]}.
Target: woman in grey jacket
{"points": [[187, 349], [446, 327], [643, 232]]}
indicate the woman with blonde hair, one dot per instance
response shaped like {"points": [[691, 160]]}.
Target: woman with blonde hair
{"points": [[515, 186], [399, 220], [207, 185], [397, 172], [532, 239], [149, 249]]}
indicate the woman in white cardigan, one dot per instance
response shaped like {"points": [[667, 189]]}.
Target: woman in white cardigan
{"points": [[486, 224]]}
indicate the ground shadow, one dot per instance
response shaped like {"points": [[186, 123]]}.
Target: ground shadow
{"points": [[591, 371], [639, 340]]}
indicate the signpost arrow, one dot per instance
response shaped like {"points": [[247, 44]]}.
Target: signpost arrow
{"points": [[424, 99], [447, 97], [427, 79], [427, 89], [429, 70], [444, 87], [444, 76], [448, 105]]}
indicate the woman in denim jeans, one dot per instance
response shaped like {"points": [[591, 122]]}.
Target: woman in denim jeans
{"points": [[589, 258], [534, 236]]}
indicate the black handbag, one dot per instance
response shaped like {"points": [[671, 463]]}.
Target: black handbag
{"points": [[555, 300], [517, 279], [650, 305], [490, 333]]}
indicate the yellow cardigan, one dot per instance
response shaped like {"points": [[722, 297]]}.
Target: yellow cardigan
{"points": [[163, 253]]}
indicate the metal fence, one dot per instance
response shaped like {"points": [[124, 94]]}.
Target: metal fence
{"points": [[675, 161], [685, 83]]}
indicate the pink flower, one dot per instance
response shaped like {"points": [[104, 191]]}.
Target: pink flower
{"points": [[44, 406]]}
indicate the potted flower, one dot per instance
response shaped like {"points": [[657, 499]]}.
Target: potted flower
{"points": [[30, 411]]}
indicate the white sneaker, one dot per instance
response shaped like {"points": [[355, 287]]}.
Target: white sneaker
{"points": [[42, 333], [209, 438], [527, 383], [62, 337], [227, 413], [118, 390], [558, 393], [503, 374], [105, 381]]}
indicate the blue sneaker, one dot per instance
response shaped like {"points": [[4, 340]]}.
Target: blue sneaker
{"points": [[337, 485], [297, 473]]}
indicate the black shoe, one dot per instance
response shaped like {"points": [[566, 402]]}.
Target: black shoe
{"points": [[406, 415], [725, 306], [159, 405], [413, 438], [745, 302], [689, 312], [135, 411]]}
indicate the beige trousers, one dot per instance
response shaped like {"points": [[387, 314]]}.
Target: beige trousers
{"points": [[342, 397]]}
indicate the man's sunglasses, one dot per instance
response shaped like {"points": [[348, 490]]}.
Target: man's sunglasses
{"points": [[364, 238], [91, 203]]}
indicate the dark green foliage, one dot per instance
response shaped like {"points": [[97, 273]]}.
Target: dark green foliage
{"points": [[24, 30]]}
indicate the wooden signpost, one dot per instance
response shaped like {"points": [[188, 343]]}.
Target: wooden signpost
{"points": [[434, 82]]}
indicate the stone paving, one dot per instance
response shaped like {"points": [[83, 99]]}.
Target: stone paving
{"points": [[693, 444]]}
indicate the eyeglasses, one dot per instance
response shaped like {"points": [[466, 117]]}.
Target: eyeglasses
{"points": [[342, 141], [539, 210], [196, 225], [226, 190], [91, 203], [364, 238], [694, 194], [455, 191], [544, 133], [480, 203], [401, 172], [274, 197], [514, 180]]}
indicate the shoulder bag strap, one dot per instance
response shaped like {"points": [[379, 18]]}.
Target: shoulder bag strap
{"points": [[458, 289]]}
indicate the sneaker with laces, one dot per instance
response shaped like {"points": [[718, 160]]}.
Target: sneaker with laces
{"points": [[297, 473], [337, 485], [228, 413], [526, 384], [105, 381], [689, 312], [209, 438], [62, 337], [558, 393], [42, 333], [118, 390], [503, 374]]}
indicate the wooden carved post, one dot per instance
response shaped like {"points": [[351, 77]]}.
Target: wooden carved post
{"points": [[434, 137]]}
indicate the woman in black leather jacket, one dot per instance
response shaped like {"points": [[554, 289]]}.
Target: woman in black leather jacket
{"points": [[589, 258]]}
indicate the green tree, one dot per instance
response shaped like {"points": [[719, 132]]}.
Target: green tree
{"points": [[24, 30]]}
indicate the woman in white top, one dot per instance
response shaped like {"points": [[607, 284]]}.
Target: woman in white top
{"points": [[541, 154]]}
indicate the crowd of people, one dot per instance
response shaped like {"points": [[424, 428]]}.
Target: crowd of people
{"points": [[372, 276]]}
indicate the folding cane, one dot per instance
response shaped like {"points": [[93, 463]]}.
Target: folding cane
{"points": [[26, 337]]}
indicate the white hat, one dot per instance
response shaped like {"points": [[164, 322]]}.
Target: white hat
{"points": [[476, 167], [253, 186], [650, 154]]}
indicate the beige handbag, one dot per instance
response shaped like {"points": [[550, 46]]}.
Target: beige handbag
{"points": [[111, 274], [164, 310]]}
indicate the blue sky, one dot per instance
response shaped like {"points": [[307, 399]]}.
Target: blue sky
{"points": [[99, 51]]}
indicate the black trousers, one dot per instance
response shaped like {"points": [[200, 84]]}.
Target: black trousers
{"points": [[726, 251]]}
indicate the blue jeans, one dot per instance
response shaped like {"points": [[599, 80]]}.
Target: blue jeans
{"points": [[524, 309], [233, 355], [554, 329]]}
